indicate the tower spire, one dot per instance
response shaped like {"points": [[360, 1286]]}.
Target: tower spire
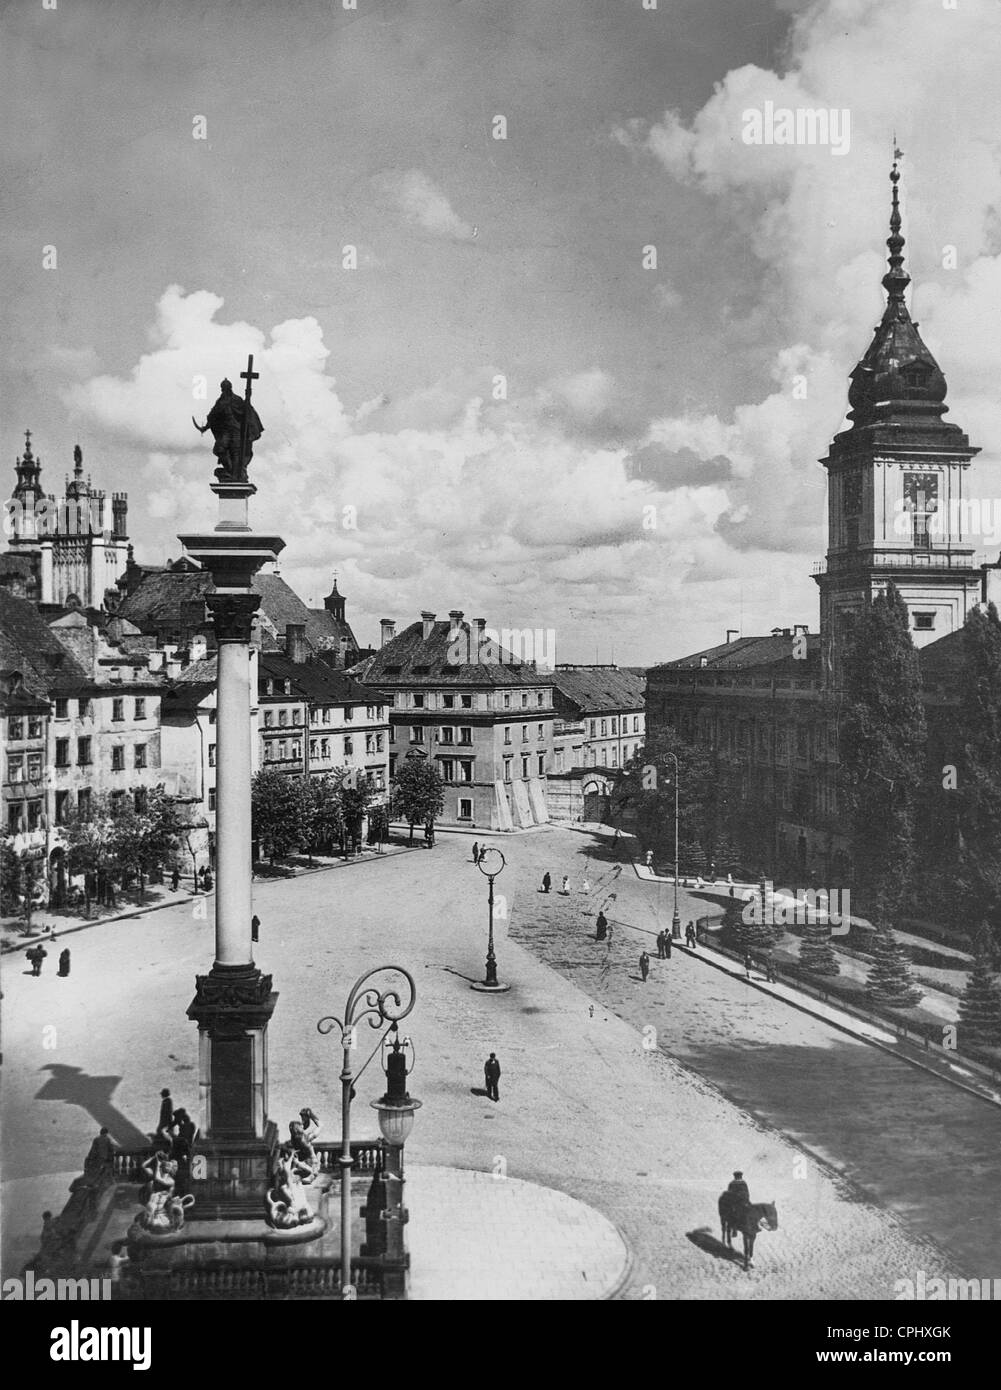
{"points": [[896, 279]]}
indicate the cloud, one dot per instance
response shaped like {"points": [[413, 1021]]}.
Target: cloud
{"points": [[422, 202]]}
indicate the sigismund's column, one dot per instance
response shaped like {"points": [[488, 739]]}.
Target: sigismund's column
{"points": [[233, 1003]]}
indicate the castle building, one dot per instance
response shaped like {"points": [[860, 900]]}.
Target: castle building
{"points": [[65, 551], [900, 510]]}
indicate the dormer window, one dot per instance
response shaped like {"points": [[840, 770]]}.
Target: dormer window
{"points": [[924, 622]]}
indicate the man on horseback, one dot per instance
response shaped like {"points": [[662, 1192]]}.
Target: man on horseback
{"points": [[739, 1190]]}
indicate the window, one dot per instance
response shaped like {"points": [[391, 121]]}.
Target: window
{"points": [[312, 748], [297, 750], [34, 726], [448, 701], [541, 699], [465, 770], [212, 748], [507, 733], [349, 746], [418, 700], [326, 714], [269, 718], [636, 723], [34, 767], [211, 798], [369, 744], [446, 767], [465, 735], [83, 803], [282, 750], [604, 727], [615, 726], [14, 818], [524, 699], [15, 767], [507, 700], [62, 708], [524, 767], [140, 755], [921, 500], [84, 709], [140, 707], [297, 716], [34, 814], [286, 686], [392, 733], [283, 717], [507, 769], [380, 780], [924, 622], [15, 728], [465, 808], [466, 701], [604, 757], [446, 734], [524, 733], [615, 757], [349, 713], [542, 731], [83, 751], [378, 743], [542, 764], [62, 752], [594, 728], [416, 733], [118, 710], [118, 758]]}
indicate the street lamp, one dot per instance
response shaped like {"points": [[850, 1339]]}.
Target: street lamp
{"points": [[490, 984], [389, 1006], [676, 919]]}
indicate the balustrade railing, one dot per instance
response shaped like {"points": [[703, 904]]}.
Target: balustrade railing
{"points": [[367, 1155]]}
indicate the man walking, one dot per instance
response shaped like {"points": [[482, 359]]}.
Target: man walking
{"points": [[644, 966], [255, 928], [476, 852], [667, 945], [491, 1075], [660, 945], [601, 922], [64, 962], [547, 882]]}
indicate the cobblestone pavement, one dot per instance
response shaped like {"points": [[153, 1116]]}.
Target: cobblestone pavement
{"points": [[585, 1108]]}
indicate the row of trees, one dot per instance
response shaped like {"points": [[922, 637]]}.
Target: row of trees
{"points": [[309, 815]]}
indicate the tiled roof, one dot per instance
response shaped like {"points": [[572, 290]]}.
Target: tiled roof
{"points": [[27, 645], [600, 688], [409, 660], [775, 653], [282, 605], [316, 681]]}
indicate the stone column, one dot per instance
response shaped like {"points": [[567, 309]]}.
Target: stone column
{"points": [[234, 1001]]}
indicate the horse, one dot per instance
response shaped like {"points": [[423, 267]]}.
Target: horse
{"points": [[746, 1219]]}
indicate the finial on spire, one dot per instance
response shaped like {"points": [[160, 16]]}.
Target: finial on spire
{"points": [[27, 444], [78, 461], [896, 279]]}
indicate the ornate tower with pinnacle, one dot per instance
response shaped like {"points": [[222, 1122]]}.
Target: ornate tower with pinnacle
{"points": [[898, 504]]}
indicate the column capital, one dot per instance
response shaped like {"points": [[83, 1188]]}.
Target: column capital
{"points": [[233, 615]]}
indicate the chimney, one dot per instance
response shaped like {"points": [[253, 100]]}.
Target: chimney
{"points": [[799, 630], [428, 620], [156, 661], [776, 632], [343, 658], [295, 642], [173, 668], [732, 633], [455, 618], [388, 626], [479, 624]]}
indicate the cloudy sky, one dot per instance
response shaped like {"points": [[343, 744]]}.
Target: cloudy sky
{"points": [[505, 406]]}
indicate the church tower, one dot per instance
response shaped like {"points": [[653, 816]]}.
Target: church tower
{"points": [[897, 505]]}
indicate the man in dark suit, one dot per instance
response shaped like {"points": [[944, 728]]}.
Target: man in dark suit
{"points": [[491, 1074], [739, 1189]]}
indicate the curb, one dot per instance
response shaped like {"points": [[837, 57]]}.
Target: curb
{"points": [[761, 986]]}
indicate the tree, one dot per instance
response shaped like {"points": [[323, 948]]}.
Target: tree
{"points": [[11, 876], [355, 795], [276, 804], [146, 838], [980, 1006], [750, 925], [890, 981], [328, 812], [418, 797], [642, 799], [882, 740], [816, 954], [90, 849]]}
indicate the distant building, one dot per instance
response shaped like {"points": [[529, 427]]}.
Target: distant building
{"points": [[66, 551], [482, 716], [600, 726]]}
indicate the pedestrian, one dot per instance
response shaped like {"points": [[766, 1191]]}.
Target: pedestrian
{"points": [[255, 928], [64, 962], [491, 1074], [644, 966], [207, 881], [175, 879], [165, 1124], [667, 945], [770, 970], [585, 887], [690, 935], [476, 852], [565, 889], [660, 945], [100, 1161], [37, 956], [747, 964], [547, 882], [649, 858], [181, 1146], [601, 922]]}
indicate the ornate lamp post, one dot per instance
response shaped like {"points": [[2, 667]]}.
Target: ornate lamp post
{"points": [[676, 919], [396, 1119], [490, 985], [366, 1002]]}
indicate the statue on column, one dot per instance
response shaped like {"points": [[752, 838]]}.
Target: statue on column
{"points": [[236, 427]]}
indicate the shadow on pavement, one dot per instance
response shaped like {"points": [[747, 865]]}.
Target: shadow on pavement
{"points": [[93, 1094], [705, 1240]]}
